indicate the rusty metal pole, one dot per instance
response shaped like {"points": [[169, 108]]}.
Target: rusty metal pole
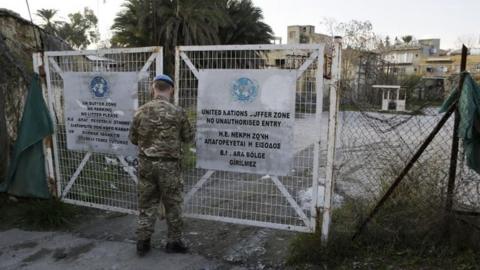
{"points": [[406, 169], [452, 109], [455, 142]]}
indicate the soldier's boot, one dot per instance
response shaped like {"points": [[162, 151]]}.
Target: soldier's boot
{"points": [[176, 247], [143, 247]]}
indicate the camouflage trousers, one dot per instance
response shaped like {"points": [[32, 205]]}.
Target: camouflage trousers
{"points": [[159, 182]]}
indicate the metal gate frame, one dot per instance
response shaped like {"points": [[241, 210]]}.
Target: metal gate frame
{"points": [[316, 55], [50, 63]]}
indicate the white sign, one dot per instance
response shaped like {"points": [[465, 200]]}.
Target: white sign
{"points": [[245, 120], [99, 108]]}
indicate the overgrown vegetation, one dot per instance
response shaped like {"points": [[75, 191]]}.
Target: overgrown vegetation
{"points": [[415, 243], [409, 232], [34, 214]]}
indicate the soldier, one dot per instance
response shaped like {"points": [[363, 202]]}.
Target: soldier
{"points": [[159, 128]]}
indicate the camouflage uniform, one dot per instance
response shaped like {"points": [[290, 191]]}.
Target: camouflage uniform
{"points": [[159, 128]]}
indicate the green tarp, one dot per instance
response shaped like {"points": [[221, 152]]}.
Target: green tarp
{"points": [[26, 174], [469, 128]]}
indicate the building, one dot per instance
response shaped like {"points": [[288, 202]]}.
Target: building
{"points": [[408, 56], [293, 59], [305, 34], [449, 64]]}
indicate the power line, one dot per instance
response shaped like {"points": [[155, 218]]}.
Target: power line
{"points": [[33, 26]]}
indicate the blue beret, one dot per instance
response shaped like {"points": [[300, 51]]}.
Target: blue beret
{"points": [[164, 78]]}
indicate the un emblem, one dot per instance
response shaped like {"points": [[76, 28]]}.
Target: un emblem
{"points": [[244, 90], [99, 87]]}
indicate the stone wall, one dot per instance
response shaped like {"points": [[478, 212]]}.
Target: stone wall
{"points": [[19, 39]]}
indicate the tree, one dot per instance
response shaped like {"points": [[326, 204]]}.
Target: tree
{"points": [[170, 23], [397, 41], [46, 15], [360, 45], [407, 39], [467, 40], [246, 24], [387, 42], [79, 32], [133, 25], [357, 35]]}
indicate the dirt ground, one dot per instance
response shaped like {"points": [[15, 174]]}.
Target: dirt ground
{"points": [[106, 240]]}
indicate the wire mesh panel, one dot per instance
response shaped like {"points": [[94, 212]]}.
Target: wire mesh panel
{"points": [[93, 179], [376, 142], [286, 202]]}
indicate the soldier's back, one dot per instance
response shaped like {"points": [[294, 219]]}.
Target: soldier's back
{"points": [[158, 129]]}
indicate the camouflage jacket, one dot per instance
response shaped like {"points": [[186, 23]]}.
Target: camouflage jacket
{"points": [[159, 128]]}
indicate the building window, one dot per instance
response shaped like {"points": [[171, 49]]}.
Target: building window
{"points": [[291, 34], [280, 63], [477, 67], [429, 69], [304, 39]]}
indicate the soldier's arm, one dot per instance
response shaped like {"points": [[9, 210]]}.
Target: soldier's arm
{"points": [[187, 133], [133, 134]]}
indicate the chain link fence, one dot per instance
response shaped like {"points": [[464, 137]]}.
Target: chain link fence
{"points": [[374, 145]]}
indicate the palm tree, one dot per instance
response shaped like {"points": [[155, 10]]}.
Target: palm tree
{"points": [[47, 15], [190, 22], [133, 26], [170, 23], [177, 22], [246, 25], [80, 31]]}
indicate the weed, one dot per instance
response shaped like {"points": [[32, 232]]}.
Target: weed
{"points": [[408, 232], [35, 214], [47, 214], [189, 158]]}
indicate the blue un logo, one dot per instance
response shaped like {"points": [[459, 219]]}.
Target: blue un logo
{"points": [[244, 90], [99, 87]]}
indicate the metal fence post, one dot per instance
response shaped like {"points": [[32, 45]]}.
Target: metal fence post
{"points": [[47, 142], [455, 142], [332, 132]]}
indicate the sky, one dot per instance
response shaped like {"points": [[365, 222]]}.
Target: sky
{"points": [[448, 20]]}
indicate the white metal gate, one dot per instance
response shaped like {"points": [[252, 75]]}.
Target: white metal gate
{"points": [[92, 179], [290, 202]]}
